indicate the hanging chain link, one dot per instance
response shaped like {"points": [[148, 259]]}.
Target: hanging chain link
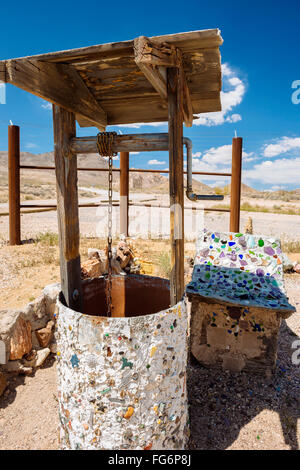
{"points": [[104, 144]]}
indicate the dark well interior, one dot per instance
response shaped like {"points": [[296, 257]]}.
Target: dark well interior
{"points": [[132, 295]]}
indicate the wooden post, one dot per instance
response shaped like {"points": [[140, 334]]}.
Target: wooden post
{"points": [[124, 192], [236, 181], [14, 185], [176, 184], [67, 207]]}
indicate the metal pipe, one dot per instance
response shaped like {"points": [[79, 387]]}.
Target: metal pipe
{"points": [[189, 189], [145, 143]]}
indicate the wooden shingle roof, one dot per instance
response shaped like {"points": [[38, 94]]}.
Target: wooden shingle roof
{"points": [[104, 85]]}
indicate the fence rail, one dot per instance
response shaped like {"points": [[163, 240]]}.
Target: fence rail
{"points": [[15, 205]]}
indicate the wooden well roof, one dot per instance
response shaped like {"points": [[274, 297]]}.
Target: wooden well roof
{"points": [[104, 85]]}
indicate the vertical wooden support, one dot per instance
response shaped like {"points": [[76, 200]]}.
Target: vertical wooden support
{"points": [[176, 183], [14, 185], [67, 207], [236, 182], [124, 192]]}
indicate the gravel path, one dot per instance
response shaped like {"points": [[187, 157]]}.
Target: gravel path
{"points": [[145, 220]]}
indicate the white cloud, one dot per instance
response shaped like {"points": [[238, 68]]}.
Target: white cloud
{"points": [[31, 145], [116, 157], [197, 155], [156, 162], [223, 155], [282, 145], [46, 105], [276, 172], [137, 125], [229, 100]]}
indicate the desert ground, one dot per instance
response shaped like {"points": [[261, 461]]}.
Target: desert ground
{"points": [[227, 411]]}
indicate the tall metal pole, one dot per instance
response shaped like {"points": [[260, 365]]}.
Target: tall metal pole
{"points": [[236, 182], [14, 185], [124, 192]]}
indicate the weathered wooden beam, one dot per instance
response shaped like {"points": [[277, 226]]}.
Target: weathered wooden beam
{"points": [[67, 207], [187, 107], [153, 58], [176, 186], [154, 53], [58, 83], [2, 72], [123, 143]]}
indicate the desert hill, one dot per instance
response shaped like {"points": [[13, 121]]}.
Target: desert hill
{"points": [[40, 184]]}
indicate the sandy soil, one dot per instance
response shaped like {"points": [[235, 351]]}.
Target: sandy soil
{"points": [[227, 411]]}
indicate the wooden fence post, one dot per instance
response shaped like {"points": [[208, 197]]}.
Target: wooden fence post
{"points": [[67, 207], [14, 185], [236, 182], [124, 192], [176, 184]]}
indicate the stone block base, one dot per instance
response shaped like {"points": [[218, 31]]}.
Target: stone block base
{"points": [[234, 338]]}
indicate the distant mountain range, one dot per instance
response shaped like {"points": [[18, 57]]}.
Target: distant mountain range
{"points": [[41, 183]]}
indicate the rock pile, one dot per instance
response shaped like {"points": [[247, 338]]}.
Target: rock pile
{"points": [[123, 261], [27, 335]]}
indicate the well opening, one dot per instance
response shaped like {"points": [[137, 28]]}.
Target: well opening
{"points": [[132, 295]]}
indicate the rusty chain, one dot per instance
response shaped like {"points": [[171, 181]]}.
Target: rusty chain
{"points": [[104, 144]]}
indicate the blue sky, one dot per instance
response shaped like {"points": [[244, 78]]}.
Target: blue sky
{"points": [[260, 60]]}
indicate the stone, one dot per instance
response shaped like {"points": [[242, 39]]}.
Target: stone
{"points": [[50, 293], [44, 335], [53, 347], [8, 321], [3, 383], [233, 363], [37, 313], [297, 268], [20, 341], [91, 268], [37, 358], [17, 367], [34, 340], [95, 253]]}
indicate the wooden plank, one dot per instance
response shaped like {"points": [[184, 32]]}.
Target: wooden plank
{"points": [[192, 40], [154, 53], [123, 143], [57, 83], [2, 72], [67, 207], [153, 58], [176, 186]]}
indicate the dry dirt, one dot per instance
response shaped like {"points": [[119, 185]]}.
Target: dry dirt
{"points": [[227, 411]]}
